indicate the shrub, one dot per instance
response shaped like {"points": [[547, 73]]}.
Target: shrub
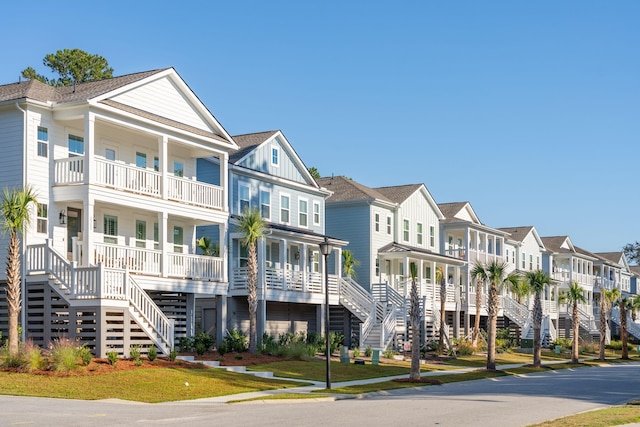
{"points": [[112, 357], [368, 352], [202, 342], [152, 354], [135, 353], [173, 354], [563, 342], [617, 345], [589, 348], [336, 339], [84, 353], [356, 352], [185, 343], [388, 353], [464, 347], [239, 356], [268, 344], [236, 341], [223, 348]]}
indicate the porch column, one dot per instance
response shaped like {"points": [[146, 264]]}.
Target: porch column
{"points": [[163, 222], [89, 147], [303, 265], [224, 177], [261, 323], [163, 142], [338, 270], [283, 264], [221, 318], [191, 315], [223, 251], [320, 319], [88, 255]]}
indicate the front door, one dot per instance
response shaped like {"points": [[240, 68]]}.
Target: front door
{"points": [[74, 228]]}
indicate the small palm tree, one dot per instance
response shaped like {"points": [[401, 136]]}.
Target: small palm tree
{"points": [[252, 228], [479, 274], [349, 263], [625, 304], [574, 296], [498, 277], [635, 307], [607, 298], [443, 299], [15, 206], [536, 281], [414, 312], [207, 247], [520, 289]]}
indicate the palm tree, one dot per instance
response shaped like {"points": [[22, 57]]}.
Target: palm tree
{"points": [[520, 289], [575, 296], [607, 298], [414, 312], [349, 263], [443, 299], [252, 228], [479, 274], [635, 306], [536, 281], [207, 247], [498, 277], [625, 304], [15, 206]]}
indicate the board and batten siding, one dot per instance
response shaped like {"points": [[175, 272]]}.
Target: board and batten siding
{"points": [[352, 223], [163, 98], [295, 194], [379, 238], [260, 160], [530, 247], [417, 209]]}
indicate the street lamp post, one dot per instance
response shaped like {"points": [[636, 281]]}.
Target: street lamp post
{"points": [[325, 249]]}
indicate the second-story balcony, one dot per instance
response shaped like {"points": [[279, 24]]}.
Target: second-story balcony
{"points": [[278, 279], [132, 179]]}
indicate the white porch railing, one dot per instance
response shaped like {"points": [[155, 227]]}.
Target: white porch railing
{"points": [[149, 262], [632, 327], [287, 280], [133, 179], [515, 311]]}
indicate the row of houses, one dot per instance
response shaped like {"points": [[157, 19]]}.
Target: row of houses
{"points": [[131, 172]]}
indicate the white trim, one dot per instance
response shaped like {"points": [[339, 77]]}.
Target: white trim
{"points": [[275, 149], [406, 221], [242, 185], [288, 196], [419, 234], [316, 203], [376, 221], [260, 192], [300, 212]]}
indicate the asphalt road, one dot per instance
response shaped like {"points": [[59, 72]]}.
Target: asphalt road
{"points": [[505, 401]]}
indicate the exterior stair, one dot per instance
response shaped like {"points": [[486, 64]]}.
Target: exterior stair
{"points": [[632, 327], [365, 307]]}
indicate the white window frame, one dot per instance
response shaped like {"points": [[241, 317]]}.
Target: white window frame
{"points": [[110, 236], [265, 205], [524, 260], [432, 236], [303, 214], [42, 214], [288, 209], [376, 221], [316, 213], [42, 149], [275, 154], [141, 241], [406, 229], [76, 138], [389, 225], [419, 233], [242, 186]]}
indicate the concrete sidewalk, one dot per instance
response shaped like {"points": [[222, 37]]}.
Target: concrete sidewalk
{"points": [[320, 385]]}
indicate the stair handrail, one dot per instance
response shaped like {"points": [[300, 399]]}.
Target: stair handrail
{"points": [[515, 311], [356, 294], [161, 324], [587, 321], [632, 327], [388, 328]]}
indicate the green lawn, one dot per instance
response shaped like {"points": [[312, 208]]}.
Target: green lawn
{"points": [[143, 385], [601, 418]]}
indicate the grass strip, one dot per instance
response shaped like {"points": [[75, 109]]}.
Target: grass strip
{"points": [[141, 385], [599, 418]]}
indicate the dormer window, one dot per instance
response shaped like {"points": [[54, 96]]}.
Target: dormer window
{"points": [[275, 156]]}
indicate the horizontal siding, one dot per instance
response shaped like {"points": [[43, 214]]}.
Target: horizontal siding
{"points": [[163, 98], [351, 223], [208, 172]]}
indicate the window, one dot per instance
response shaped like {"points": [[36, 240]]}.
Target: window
{"points": [[316, 213], [315, 261], [43, 141], [432, 236], [524, 260], [43, 212], [243, 196], [377, 221], [538, 262], [419, 233], [265, 204], [141, 160], [275, 156], [302, 213], [178, 239], [389, 225], [243, 254], [405, 230], [377, 267], [141, 233], [507, 254], [110, 154], [427, 273], [76, 145], [284, 209], [110, 229], [178, 169], [156, 164], [530, 262]]}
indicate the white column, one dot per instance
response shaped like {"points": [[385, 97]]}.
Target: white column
{"points": [[283, 264], [163, 237], [87, 232], [89, 148], [224, 178], [222, 244], [163, 160]]}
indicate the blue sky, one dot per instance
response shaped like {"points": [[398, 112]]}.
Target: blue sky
{"points": [[528, 110]]}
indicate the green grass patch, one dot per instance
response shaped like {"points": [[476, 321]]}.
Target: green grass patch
{"points": [[282, 396], [142, 385], [393, 385], [600, 418]]}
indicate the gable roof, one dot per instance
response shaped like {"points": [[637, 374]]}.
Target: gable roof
{"points": [[452, 209], [345, 189], [395, 247], [248, 142], [517, 233], [554, 244], [398, 193], [38, 91]]}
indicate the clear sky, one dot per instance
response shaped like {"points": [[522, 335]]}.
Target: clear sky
{"points": [[528, 110]]}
